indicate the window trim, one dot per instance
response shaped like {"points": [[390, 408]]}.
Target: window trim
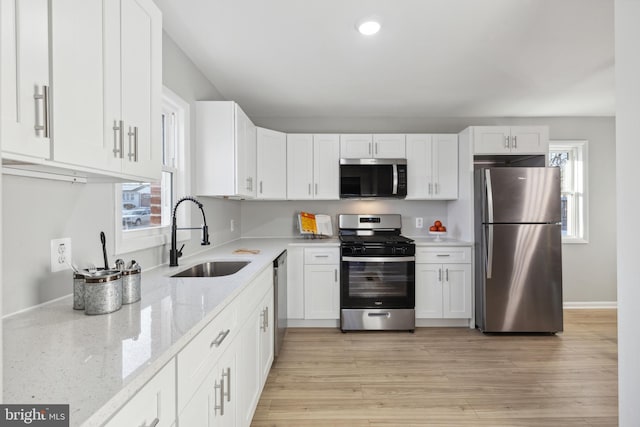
{"points": [[150, 237], [582, 147]]}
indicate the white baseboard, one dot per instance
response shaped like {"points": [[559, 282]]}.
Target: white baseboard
{"points": [[570, 305]]}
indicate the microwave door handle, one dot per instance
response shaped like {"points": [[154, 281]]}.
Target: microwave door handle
{"points": [[395, 179]]}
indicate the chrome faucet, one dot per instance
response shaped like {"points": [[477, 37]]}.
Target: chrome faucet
{"points": [[174, 253]]}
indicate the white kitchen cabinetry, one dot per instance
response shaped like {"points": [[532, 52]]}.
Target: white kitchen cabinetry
{"points": [[24, 54], [322, 283], [313, 167], [256, 346], [271, 167], [510, 139], [443, 282], [104, 59], [432, 166], [382, 146], [153, 405], [226, 147]]}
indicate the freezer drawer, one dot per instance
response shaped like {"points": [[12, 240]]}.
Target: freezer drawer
{"points": [[521, 288]]}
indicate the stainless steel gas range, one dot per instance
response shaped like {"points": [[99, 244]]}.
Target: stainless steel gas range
{"points": [[377, 282]]}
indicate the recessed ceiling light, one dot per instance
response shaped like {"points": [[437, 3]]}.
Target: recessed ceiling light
{"points": [[368, 27]]}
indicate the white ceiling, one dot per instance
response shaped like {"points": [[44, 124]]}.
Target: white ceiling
{"points": [[432, 58]]}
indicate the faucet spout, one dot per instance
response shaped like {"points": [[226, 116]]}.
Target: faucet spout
{"points": [[174, 252]]}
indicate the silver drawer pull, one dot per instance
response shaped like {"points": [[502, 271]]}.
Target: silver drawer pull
{"points": [[445, 255], [321, 256], [154, 423], [383, 314], [221, 336]]}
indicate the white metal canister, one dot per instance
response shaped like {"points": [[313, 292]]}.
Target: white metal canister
{"points": [[131, 285]]}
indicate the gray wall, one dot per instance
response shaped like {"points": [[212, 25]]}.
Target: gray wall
{"points": [[34, 211], [589, 269]]}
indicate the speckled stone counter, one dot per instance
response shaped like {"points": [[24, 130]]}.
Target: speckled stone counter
{"points": [[54, 354]]}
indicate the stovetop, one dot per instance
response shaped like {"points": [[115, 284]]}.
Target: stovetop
{"points": [[376, 240]]}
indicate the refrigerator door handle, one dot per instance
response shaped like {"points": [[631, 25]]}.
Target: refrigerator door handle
{"points": [[489, 191], [489, 229]]}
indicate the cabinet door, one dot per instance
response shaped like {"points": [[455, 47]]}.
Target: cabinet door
{"points": [[419, 166], [271, 164], [389, 146], [356, 146], [245, 154], [429, 291], [321, 292], [80, 34], [266, 337], [326, 167], [154, 403], [530, 139], [299, 166], [24, 53], [456, 299], [141, 38], [249, 368], [445, 166], [491, 139]]}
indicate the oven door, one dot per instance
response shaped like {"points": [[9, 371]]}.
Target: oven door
{"points": [[377, 282]]}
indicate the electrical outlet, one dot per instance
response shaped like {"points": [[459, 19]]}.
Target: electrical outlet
{"points": [[419, 223], [232, 226], [60, 254]]}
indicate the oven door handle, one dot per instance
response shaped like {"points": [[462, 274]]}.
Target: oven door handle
{"points": [[378, 259]]}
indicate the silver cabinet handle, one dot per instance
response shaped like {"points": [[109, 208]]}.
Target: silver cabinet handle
{"points": [[316, 185], [135, 144], [154, 423], [376, 148], [439, 275], [515, 142], [321, 256], [118, 137], [266, 318], [260, 186], [262, 325], [130, 133], [218, 386], [309, 189], [221, 336], [248, 186], [447, 274], [44, 96], [369, 148], [430, 188], [506, 142], [335, 275], [436, 188], [227, 374], [443, 255]]}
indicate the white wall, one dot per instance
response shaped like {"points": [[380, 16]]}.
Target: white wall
{"points": [[34, 211], [627, 34], [589, 270]]}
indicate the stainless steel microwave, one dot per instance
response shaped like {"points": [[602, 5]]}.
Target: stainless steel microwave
{"points": [[371, 178]]}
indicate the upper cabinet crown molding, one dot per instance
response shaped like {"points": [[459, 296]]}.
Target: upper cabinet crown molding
{"points": [[510, 139], [226, 147]]}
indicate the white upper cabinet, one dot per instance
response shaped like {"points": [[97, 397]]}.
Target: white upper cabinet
{"points": [[226, 150], [271, 164], [432, 166], [313, 166], [363, 146], [104, 59], [510, 139], [25, 101]]}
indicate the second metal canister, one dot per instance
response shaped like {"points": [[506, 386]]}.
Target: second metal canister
{"points": [[131, 285], [78, 291], [103, 292]]}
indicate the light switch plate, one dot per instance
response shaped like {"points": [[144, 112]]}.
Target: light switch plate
{"points": [[60, 254], [419, 223]]}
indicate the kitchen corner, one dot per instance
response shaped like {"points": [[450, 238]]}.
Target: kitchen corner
{"points": [[97, 363]]}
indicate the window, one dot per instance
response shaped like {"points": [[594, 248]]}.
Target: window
{"points": [[571, 157], [143, 210]]}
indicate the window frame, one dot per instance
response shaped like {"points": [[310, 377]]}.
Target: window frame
{"points": [[139, 239], [580, 188]]}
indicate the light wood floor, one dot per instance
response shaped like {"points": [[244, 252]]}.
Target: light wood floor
{"points": [[446, 376]]}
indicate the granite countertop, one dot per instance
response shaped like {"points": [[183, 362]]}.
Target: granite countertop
{"points": [[54, 354], [444, 241]]}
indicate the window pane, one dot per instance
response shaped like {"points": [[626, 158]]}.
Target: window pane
{"points": [[136, 205]]}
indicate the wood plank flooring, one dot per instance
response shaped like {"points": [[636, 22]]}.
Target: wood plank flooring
{"points": [[446, 377]]}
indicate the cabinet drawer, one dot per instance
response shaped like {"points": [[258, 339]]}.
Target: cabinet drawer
{"points": [[321, 255], [155, 402], [447, 254], [202, 353]]}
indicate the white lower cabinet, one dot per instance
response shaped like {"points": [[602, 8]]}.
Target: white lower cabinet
{"points": [[443, 283], [154, 405], [322, 283]]}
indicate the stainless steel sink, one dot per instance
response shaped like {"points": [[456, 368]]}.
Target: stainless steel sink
{"points": [[213, 269]]}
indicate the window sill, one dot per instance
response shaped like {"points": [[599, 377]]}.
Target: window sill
{"points": [[574, 241], [138, 240]]}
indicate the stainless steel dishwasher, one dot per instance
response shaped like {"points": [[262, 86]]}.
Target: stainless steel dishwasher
{"points": [[280, 300]]}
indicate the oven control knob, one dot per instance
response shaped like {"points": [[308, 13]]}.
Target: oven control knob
{"points": [[399, 250]]}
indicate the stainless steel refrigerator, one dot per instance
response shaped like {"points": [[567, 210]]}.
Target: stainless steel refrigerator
{"points": [[518, 249]]}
